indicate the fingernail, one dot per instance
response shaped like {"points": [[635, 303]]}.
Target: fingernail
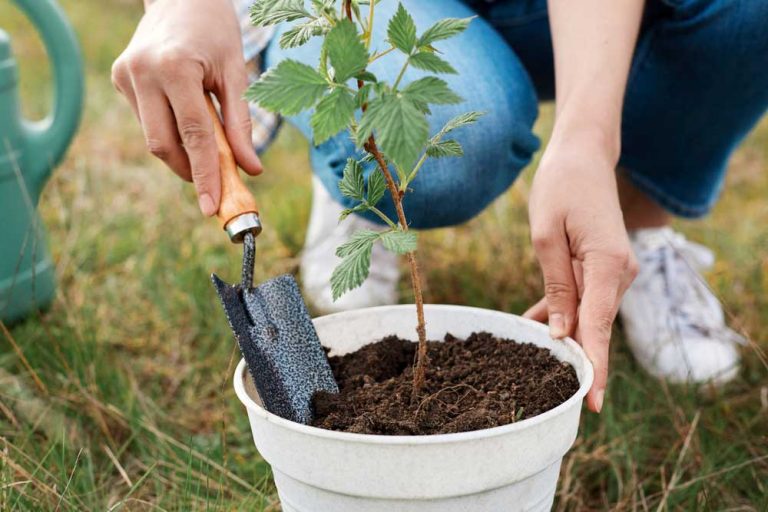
{"points": [[206, 204], [599, 396], [557, 325]]}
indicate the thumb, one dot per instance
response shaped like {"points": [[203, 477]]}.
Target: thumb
{"points": [[237, 119], [560, 288]]}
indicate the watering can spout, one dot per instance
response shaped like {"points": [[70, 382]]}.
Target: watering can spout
{"points": [[48, 139]]}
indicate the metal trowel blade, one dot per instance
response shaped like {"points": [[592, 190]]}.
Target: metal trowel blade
{"points": [[276, 336]]}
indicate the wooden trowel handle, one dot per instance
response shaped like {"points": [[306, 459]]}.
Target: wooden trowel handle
{"points": [[236, 199]]}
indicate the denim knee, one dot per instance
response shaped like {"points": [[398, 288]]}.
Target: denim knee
{"points": [[491, 79], [697, 87], [447, 191], [450, 191]]}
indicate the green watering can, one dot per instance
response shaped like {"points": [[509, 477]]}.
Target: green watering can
{"points": [[28, 153]]}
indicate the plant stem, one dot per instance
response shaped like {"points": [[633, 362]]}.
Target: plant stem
{"points": [[382, 216], [415, 171], [421, 330], [400, 75], [397, 198], [379, 55], [370, 24]]}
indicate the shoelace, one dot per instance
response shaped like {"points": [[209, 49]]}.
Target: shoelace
{"points": [[693, 307]]}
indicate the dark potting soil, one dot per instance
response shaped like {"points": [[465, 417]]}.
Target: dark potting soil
{"points": [[471, 384]]}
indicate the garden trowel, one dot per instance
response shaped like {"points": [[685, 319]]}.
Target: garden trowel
{"points": [[271, 322]]}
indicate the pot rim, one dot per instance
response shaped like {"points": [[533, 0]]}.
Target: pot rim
{"points": [[457, 437]]}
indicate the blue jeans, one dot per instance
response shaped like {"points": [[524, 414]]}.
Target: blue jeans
{"points": [[698, 84]]}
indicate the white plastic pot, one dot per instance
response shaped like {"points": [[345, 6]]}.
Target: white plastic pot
{"points": [[502, 469]]}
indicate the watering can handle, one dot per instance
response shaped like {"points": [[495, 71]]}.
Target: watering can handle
{"points": [[237, 210], [48, 139]]}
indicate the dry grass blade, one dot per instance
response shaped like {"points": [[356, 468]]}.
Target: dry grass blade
{"points": [[133, 489], [47, 489], [118, 466], [678, 465], [9, 414], [721, 472]]}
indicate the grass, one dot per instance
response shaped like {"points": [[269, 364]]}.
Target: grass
{"points": [[134, 410]]}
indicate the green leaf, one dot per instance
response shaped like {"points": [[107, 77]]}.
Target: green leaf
{"points": [[355, 265], [458, 122], [401, 174], [346, 51], [366, 76], [377, 186], [382, 88], [401, 30], [428, 61], [272, 12], [332, 114], [346, 212], [323, 6], [300, 34], [431, 90], [443, 29], [444, 148], [352, 184], [358, 240], [356, 8], [399, 241], [288, 88], [421, 105], [401, 128]]}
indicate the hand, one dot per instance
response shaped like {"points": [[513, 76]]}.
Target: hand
{"points": [[181, 49], [582, 246]]}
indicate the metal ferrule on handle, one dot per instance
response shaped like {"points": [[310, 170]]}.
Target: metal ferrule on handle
{"points": [[237, 213], [239, 226]]}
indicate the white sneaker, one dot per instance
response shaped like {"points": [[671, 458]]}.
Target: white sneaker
{"points": [[674, 324], [324, 235]]}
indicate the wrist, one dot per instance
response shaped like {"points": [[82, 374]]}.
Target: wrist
{"points": [[591, 129], [601, 142]]}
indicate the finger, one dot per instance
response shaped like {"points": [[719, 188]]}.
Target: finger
{"points": [[160, 132], [538, 312], [602, 281], [195, 128], [560, 288], [237, 119], [121, 81]]}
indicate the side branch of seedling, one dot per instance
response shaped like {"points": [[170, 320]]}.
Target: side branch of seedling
{"points": [[392, 127]]}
